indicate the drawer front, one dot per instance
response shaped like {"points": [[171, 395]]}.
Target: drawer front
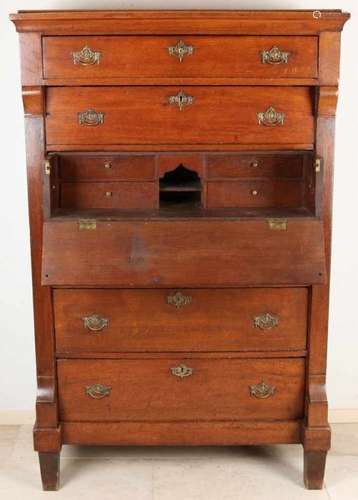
{"points": [[172, 252], [107, 168], [178, 115], [255, 193], [180, 320], [230, 166], [131, 195], [165, 57], [180, 389]]}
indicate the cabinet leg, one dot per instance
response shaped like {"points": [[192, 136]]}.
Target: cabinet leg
{"points": [[314, 466], [50, 470]]}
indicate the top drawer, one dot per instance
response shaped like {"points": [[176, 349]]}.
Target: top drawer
{"points": [[180, 57]]}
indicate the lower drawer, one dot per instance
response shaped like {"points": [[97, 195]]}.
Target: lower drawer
{"points": [[158, 320], [181, 389]]}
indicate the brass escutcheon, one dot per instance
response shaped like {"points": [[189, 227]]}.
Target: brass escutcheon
{"points": [[180, 50], [181, 100], [262, 390], [90, 118], [98, 391], [270, 117], [86, 57], [266, 321], [179, 300], [95, 322], [181, 371], [274, 56]]}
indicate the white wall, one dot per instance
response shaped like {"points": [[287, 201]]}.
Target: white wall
{"points": [[17, 368]]}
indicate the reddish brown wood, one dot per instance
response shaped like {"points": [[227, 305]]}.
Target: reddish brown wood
{"points": [[218, 320], [182, 433], [147, 250], [50, 470], [148, 57], [255, 193], [127, 195], [176, 253], [146, 390], [226, 115]]}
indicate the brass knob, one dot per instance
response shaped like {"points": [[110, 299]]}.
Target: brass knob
{"points": [[108, 194], [107, 164], [255, 164], [254, 192]]}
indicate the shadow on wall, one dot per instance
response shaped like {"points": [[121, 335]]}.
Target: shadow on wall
{"points": [[176, 4]]}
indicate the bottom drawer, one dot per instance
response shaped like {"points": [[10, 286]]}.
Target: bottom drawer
{"points": [[181, 389]]}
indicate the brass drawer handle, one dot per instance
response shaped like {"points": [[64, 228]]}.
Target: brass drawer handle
{"points": [[86, 57], [271, 117], [95, 323], [266, 321], [262, 390], [181, 371], [274, 56], [98, 391], [181, 100], [90, 118], [180, 50], [179, 300]]}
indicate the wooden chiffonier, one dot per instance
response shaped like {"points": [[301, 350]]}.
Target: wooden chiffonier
{"points": [[180, 178]]}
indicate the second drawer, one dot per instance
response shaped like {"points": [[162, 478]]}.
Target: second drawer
{"points": [[264, 319]]}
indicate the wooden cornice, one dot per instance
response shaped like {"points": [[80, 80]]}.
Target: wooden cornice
{"points": [[234, 22]]}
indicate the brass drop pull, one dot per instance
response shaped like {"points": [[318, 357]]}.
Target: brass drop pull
{"points": [[86, 57], [181, 371], [90, 118], [98, 391], [181, 100], [180, 50], [266, 321], [274, 56], [95, 323], [270, 117], [179, 300], [262, 390]]}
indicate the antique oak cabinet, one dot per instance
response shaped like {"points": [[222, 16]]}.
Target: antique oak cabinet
{"points": [[180, 178]]}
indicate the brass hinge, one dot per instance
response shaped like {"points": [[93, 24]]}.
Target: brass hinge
{"points": [[317, 164], [47, 167], [277, 224], [87, 224]]}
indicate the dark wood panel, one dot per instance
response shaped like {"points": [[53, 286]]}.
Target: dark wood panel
{"points": [[126, 195], [255, 193], [183, 253], [148, 56], [161, 320], [226, 115], [147, 390]]}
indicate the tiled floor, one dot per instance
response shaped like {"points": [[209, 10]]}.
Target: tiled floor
{"points": [[244, 473]]}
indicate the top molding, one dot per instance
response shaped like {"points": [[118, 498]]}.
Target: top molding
{"points": [[237, 22]]}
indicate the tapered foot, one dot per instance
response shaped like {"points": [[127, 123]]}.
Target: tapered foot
{"points": [[50, 470], [314, 466]]}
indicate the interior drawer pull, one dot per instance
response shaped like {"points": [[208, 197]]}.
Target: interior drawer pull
{"points": [[262, 390], [181, 371], [86, 57], [181, 100], [179, 300], [180, 50], [271, 117], [266, 321], [98, 391], [90, 118], [95, 323], [274, 56]]}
